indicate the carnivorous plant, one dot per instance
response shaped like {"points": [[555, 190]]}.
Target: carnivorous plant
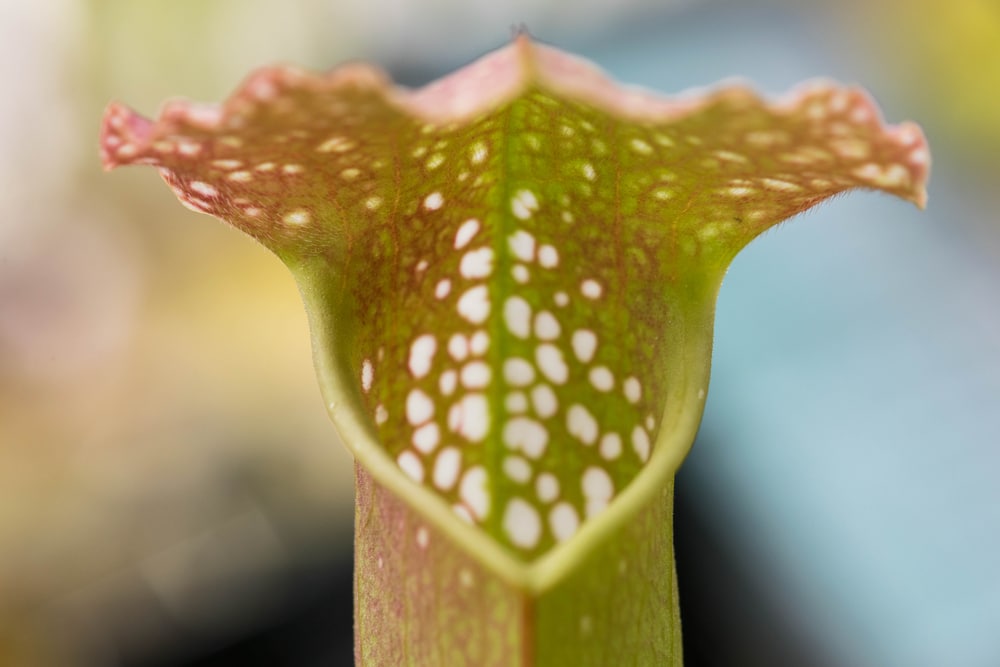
{"points": [[510, 276]]}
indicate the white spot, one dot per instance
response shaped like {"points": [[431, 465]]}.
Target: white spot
{"points": [[523, 204], [860, 114], [458, 347], [561, 299], [547, 487], [381, 414], [522, 524], [520, 273], [125, 150], [591, 289], [632, 389], [372, 203], [584, 343], [435, 161], [350, 173], [650, 423], [550, 361], [563, 521], [598, 490], [640, 443], [475, 375], [447, 467], [433, 201], [588, 171], [908, 135], [516, 402], [472, 491], [640, 146], [265, 166], [548, 256], [479, 343], [470, 417], [448, 382], [567, 217], [779, 184], [596, 484], [427, 437], [465, 232], [292, 169], [423, 537], [701, 394], [546, 326], [297, 217], [465, 578], [517, 468], [240, 176], [522, 244], [477, 263], [419, 407], [518, 372], [422, 355], [442, 289], [367, 375], [527, 435], [421, 266], [892, 175], [474, 304], [581, 424], [730, 156], [543, 399], [204, 189], [411, 465], [478, 152], [517, 315], [601, 378], [335, 145], [611, 446]]}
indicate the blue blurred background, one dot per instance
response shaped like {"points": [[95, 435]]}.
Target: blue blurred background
{"points": [[172, 494]]}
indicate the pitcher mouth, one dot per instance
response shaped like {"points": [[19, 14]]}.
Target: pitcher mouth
{"points": [[679, 424]]}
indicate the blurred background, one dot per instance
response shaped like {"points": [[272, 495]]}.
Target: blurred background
{"points": [[171, 492]]}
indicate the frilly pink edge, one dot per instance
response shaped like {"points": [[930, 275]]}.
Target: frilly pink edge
{"points": [[488, 82]]}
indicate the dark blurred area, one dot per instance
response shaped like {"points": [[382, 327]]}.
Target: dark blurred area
{"points": [[171, 492], [730, 615]]}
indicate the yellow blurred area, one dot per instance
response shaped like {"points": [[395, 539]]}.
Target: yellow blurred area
{"points": [[943, 54]]}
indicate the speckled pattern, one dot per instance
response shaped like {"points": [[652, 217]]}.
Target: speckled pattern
{"points": [[512, 271]]}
